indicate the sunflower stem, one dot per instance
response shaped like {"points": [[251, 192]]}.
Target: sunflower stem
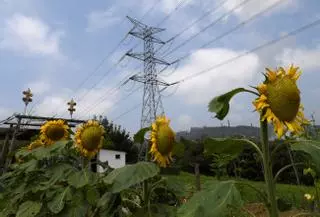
{"points": [[145, 183], [268, 176]]}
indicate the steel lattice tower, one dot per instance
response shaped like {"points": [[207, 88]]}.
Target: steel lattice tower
{"points": [[152, 103]]}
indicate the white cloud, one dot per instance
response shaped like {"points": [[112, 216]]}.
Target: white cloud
{"points": [[101, 19], [200, 89], [306, 59], [254, 6], [184, 122], [94, 103], [39, 87], [30, 35]]}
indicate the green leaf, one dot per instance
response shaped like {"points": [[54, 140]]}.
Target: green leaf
{"points": [[156, 210], [28, 166], [7, 210], [46, 152], [232, 147], [59, 172], [57, 204], [82, 178], [92, 195], [213, 202], [311, 147], [105, 199], [130, 175], [75, 211], [220, 104], [29, 209], [173, 183], [139, 136]]}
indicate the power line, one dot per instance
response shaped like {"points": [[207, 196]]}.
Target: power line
{"points": [[189, 26], [170, 14], [211, 11], [267, 44], [111, 91], [175, 9], [224, 34], [122, 83], [150, 9], [207, 27], [128, 111], [243, 23], [122, 99]]}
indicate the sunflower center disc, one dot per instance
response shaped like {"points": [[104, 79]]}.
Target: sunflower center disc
{"points": [[91, 138], [284, 98], [55, 133], [165, 139]]}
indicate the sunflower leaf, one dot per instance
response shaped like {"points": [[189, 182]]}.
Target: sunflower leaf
{"points": [[213, 202], [57, 204], [82, 178], [156, 210], [220, 104], [29, 209], [46, 152], [130, 175], [92, 195], [139, 136], [311, 147]]}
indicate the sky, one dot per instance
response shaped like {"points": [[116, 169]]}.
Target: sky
{"points": [[76, 49]]}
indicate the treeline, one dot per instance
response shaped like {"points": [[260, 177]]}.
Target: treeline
{"points": [[187, 154]]}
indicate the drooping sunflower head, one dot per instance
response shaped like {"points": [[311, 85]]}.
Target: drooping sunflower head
{"points": [[35, 144], [53, 131], [279, 101], [162, 139], [89, 138]]}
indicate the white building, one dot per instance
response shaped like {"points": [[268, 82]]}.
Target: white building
{"points": [[116, 159]]}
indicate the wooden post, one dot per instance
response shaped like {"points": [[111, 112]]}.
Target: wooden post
{"points": [[197, 175], [5, 148], [12, 145]]}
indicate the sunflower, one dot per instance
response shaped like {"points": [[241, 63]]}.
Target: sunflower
{"points": [[162, 140], [53, 131], [279, 101], [309, 197], [89, 138], [35, 144]]}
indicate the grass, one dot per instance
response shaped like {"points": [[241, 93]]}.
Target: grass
{"points": [[292, 194]]}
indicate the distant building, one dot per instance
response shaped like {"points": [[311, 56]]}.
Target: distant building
{"points": [[196, 133], [116, 159]]}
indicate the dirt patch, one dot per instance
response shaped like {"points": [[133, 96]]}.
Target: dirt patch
{"points": [[259, 210]]}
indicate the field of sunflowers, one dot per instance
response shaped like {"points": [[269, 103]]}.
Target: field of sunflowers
{"points": [[52, 175]]}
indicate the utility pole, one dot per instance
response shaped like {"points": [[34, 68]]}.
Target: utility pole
{"points": [[152, 103]]}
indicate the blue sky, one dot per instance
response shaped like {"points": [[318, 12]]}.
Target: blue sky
{"points": [[53, 46]]}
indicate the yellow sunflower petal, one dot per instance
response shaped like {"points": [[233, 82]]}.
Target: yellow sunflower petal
{"points": [[162, 139], [272, 76], [279, 101], [89, 138]]}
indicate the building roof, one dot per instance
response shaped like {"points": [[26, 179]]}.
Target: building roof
{"points": [[24, 134], [103, 149]]}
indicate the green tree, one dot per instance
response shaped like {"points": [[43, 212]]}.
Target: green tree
{"points": [[119, 140]]}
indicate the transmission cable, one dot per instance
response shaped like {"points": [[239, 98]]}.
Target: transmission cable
{"points": [[260, 47], [267, 44]]}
